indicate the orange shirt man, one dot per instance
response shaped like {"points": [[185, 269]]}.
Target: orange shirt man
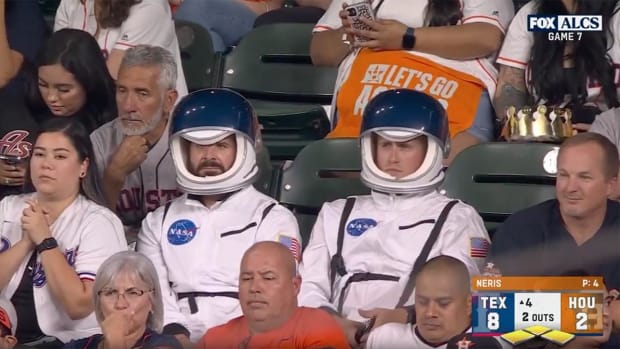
{"points": [[268, 287]]}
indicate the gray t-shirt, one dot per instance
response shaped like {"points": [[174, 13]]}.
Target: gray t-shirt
{"points": [[608, 125]]}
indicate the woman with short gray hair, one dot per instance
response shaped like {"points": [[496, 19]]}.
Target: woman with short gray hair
{"points": [[128, 306]]}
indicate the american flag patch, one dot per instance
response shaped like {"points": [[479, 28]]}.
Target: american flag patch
{"points": [[292, 244], [479, 247]]}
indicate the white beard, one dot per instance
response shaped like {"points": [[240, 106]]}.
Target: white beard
{"points": [[148, 127]]}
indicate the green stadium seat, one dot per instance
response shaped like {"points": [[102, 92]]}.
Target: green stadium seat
{"points": [[265, 172], [200, 62], [48, 8], [498, 179], [314, 177], [271, 66]]}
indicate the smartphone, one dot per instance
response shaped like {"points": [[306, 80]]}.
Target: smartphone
{"points": [[12, 159], [365, 328], [358, 10]]}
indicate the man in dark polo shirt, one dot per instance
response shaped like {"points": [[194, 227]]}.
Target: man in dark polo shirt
{"points": [[578, 230]]}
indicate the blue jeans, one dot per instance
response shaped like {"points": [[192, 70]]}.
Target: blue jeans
{"points": [[483, 127], [226, 20]]}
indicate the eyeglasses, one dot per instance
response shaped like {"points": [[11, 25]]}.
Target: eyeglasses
{"points": [[131, 294]]}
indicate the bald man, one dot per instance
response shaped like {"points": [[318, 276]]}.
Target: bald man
{"points": [[443, 312], [268, 288]]}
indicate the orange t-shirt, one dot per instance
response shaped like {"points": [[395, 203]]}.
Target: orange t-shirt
{"points": [[308, 328], [373, 72]]}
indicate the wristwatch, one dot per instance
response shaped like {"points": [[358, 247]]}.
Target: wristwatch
{"points": [[46, 244], [409, 39]]}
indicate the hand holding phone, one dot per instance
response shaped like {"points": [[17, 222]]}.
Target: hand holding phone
{"points": [[11, 159], [12, 170], [357, 11], [364, 329]]}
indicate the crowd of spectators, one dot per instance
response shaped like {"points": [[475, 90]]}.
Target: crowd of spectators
{"points": [[128, 215]]}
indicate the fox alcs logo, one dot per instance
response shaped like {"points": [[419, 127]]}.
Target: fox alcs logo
{"points": [[564, 27]]}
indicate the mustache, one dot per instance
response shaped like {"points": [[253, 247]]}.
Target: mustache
{"points": [[256, 298], [210, 163], [131, 117]]}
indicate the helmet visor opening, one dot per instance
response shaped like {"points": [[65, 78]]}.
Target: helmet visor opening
{"points": [[398, 157]]}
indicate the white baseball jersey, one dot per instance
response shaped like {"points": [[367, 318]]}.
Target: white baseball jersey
{"points": [[87, 234], [199, 249], [517, 49], [149, 23], [406, 336], [496, 12], [148, 187], [384, 235]]}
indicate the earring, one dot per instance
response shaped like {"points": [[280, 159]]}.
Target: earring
{"points": [[82, 174]]}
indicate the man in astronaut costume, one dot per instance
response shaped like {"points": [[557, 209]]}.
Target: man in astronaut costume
{"points": [[401, 224], [197, 240]]}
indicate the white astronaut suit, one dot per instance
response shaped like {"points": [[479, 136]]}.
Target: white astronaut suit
{"points": [[386, 233], [196, 249]]}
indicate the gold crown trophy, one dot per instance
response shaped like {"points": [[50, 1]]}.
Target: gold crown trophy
{"points": [[538, 124]]}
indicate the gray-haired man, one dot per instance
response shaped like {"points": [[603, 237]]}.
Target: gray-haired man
{"points": [[135, 168]]}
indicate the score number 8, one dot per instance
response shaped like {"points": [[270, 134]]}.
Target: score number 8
{"points": [[493, 321]]}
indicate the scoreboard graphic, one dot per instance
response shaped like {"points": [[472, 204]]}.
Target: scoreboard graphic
{"points": [[520, 309]]}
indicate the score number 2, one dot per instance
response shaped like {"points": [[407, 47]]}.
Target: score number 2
{"points": [[493, 321], [581, 323]]}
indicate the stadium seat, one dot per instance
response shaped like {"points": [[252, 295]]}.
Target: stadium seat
{"points": [[315, 177], [272, 67], [48, 8], [498, 179], [200, 62], [265, 172]]}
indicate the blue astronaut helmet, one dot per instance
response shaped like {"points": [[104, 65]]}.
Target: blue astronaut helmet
{"points": [[401, 115], [206, 117]]}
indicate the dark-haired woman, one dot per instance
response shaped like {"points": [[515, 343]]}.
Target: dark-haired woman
{"points": [[581, 74], [70, 79], [120, 24], [55, 239], [441, 47]]}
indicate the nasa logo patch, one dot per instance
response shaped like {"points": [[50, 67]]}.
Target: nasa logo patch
{"points": [[181, 232], [358, 226], [5, 244]]}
